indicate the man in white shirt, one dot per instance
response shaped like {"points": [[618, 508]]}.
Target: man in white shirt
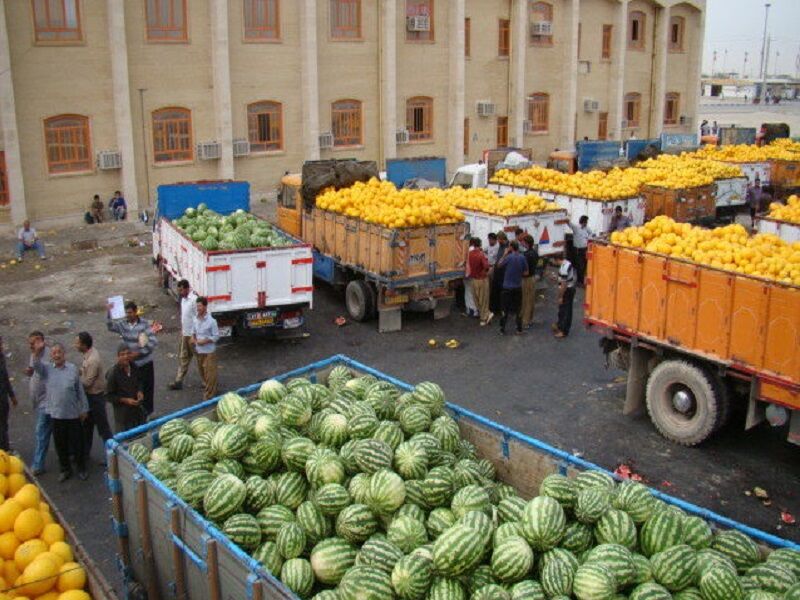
{"points": [[580, 240], [567, 280], [27, 239], [205, 334], [188, 306]]}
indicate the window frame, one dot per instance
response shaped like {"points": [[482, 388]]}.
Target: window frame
{"points": [[541, 98], [680, 22], [467, 36], [466, 136], [634, 98], [335, 29], [261, 39], [540, 41], [5, 194], [424, 103], [85, 165], [337, 113], [640, 18], [673, 99], [275, 110], [179, 153], [602, 125], [504, 38], [415, 36], [54, 29], [501, 126], [150, 31], [607, 42]]}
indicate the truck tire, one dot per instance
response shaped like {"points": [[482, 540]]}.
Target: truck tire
{"points": [[358, 298], [682, 402], [724, 408]]}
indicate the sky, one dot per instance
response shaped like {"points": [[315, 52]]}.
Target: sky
{"points": [[738, 26]]}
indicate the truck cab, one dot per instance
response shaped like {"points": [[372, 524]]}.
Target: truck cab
{"points": [[471, 176], [289, 205]]}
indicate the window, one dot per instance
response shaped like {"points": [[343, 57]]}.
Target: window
{"points": [[262, 20], [671, 108], [636, 22], [606, 51], [166, 20], [345, 19], [502, 132], [504, 37], [539, 112], [419, 118], [466, 137], [633, 108], [172, 135], [602, 126], [57, 21], [346, 123], [541, 16], [67, 141], [3, 180], [580, 35], [676, 26], [467, 33], [265, 126], [419, 8]]}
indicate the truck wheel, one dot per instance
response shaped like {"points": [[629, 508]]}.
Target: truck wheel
{"points": [[724, 408], [682, 402], [358, 299]]}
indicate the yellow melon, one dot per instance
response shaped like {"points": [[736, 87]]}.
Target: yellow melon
{"points": [[51, 533], [75, 595], [15, 464], [51, 595], [71, 577], [28, 496], [3, 462], [9, 511], [63, 550], [10, 571], [3, 484], [9, 543], [29, 524], [56, 558], [27, 552], [40, 576], [15, 483]]}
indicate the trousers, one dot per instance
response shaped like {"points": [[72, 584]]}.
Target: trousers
{"points": [[97, 419], [44, 429], [565, 311], [185, 354], [147, 373], [528, 300], [68, 438], [512, 298], [207, 365]]}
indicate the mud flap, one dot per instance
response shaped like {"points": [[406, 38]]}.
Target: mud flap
{"points": [[636, 388]]}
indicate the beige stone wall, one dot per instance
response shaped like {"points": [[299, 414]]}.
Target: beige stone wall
{"points": [[638, 69], [681, 64]]}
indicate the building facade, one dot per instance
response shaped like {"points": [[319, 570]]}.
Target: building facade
{"points": [[105, 95]]}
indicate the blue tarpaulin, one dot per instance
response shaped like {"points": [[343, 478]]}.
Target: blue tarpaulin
{"points": [[591, 154], [400, 170], [223, 197], [634, 147]]}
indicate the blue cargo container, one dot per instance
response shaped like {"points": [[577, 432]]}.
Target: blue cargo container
{"points": [[634, 147], [591, 154], [401, 170], [223, 197]]}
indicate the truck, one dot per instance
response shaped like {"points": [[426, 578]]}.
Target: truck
{"points": [[546, 227], [381, 270], [684, 205], [250, 291], [170, 550], [786, 230], [407, 171], [696, 340]]}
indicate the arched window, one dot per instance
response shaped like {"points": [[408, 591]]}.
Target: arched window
{"points": [[265, 126], [541, 24], [671, 108], [419, 118], [69, 149], [172, 135], [676, 29], [539, 112], [636, 25], [633, 109], [346, 123]]}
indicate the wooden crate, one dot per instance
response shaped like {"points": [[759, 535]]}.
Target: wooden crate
{"points": [[683, 205], [785, 173]]}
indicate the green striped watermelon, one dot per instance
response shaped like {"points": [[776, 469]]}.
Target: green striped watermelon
{"points": [[650, 591], [594, 581], [458, 550], [557, 574], [675, 567], [635, 499], [559, 488], [407, 533], [264, 455], [642, 570], [411, 460], [229, 441], [543, 523], [371, 455], [697, 533], [527, 590], [324, 466], [661, 531], [591, 504], [708, 557], [594, 479], [359, 487], [511, 509], [481, 576], [788, 558], [139, 452], [512, 559], [390, 433], [259, 494], [181, 446], [290, 540], [437, 489], [315, 525], [200, 425], [295, 452], [771, 577], [172, 428], [490, 591], [380, 553], [271, 391], [439, 519], [719, 583], [469, 498], [446, 588], [411, 510], [333, 430], [297, 575], [793, 593], [431, 396], [229, 466], [356, 523], [386, 492], [737, 546], [504, 530], [271, 519], [412, 576], [230, 407], [192, 487], [691, 593], [290, 489], [339, 375], [616, 527], [446, 431], [268, 555], [617, 559], [332, 498], [295, 411], [414, 418], [224, 497], [331, 558], [243, 530], [365, 583], [362, 426]]}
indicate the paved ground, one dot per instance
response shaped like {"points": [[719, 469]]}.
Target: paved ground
{"points": [[558, 391], [736, 112]]}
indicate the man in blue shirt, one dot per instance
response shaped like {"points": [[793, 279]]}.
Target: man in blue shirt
{"points": [[118, 206], [515, 267], [205, 334]]}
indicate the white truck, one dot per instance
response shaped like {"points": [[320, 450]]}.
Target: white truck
{"points": [[547, 228], [262, 290], [786, 230], [730, 193]]}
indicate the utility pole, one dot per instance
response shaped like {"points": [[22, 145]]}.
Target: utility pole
{"points": [[744, 67], [725, 61], [764, 55], [766, 70], [714, 64]]}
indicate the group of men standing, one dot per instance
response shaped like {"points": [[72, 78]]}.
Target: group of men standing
{"points": [[70, 400]]}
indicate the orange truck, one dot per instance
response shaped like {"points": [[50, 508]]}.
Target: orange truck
{"points": [[695, 340]]}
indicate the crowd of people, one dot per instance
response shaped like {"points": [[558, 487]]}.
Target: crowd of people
{"points": [[70, 399]]}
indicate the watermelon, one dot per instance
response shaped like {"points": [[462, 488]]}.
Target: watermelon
{"points": [[356, 523], [358, 487], [649, 591], [229, 466], [192, 487], [230, 407], [268, 555], [458, 550], [737, 546], [407, 533], [172, 428], [591, 503], [331, 558], [697, 533], [469, 498], [439, 519], [771, 577], [411, 510], [446, 431], [324, 466], [675, 567], [362, 426], [314, 523], [295, 411], [431, 396], [559, 488], [446, 588], [380, 553], [661, 531], [543, 523], [338, 376], [594, 479], [793, 593], [617, 559], [557, 574], [691, 593], [333, 430], [295, 452], [290, 489], [224, 497], [505, 530], [271, 519], [371, 455], [180, 446], [412, 576], [719, 583], [709, 557], [480, 577], [229, 441], [411, 460], [490, 591], [788, 558], [437, 489], [594, 581], [365, 583], [259, 494], [332, 498], [527, 590], [414, 418], [635, 499], [512, 559], [386, 492], [641, 567], [290, 540], [297, 575], [616, 527], [139, 452], [243, 530], [271, 391], [511, 509]]}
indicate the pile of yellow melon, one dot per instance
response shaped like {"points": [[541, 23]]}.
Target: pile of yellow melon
{"points": [[486, 201], [36, 563], [596, 185], [686, 170], [729, 248], [786, 212], [744, 153]]}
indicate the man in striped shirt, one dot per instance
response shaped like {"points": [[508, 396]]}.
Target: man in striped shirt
{"points": [[137, 334]]}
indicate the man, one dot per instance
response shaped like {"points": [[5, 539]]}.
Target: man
{"points": [[567, 280], [470, 308], [37, 392], [478, 266], [580, 241], [619, 221], [497, 274], [118, 206], [531, 255], [96, 209], [205, 334], [28, 239], [124, 392], [492, 250], [137, 333], [67, 406], [514, 269], [188, 308], [7, 399], [756, 199], [94, 385]]}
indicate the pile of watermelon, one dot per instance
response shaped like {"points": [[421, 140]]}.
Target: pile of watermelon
{"points": [[356, 491], [237, 231]]}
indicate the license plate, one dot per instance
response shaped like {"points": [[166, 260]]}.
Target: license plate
{"points": [[292, 322], [225, 331], [399, 299], [257, 320]]}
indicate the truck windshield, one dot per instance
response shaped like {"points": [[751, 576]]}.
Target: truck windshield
{"points": [[463, 179], [286, 197]]}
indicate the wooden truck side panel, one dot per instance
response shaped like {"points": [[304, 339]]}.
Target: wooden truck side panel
{"points": [[748, 324], [785, 173], [682, 205]]}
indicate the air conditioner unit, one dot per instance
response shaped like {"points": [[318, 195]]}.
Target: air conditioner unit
{"points": [[401, 136], [109, 159], [590, 105], [623, 124], [418, 23], [685, 120], [241, 147], [542, 28], [527, 127], [209, 150], [326, 140], [486, 109], [584, 67]]}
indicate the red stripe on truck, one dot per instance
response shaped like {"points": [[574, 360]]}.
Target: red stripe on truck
{"points": [[218, 268], [261, 264], [222, 298], [302, 261], [299, 290]]}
